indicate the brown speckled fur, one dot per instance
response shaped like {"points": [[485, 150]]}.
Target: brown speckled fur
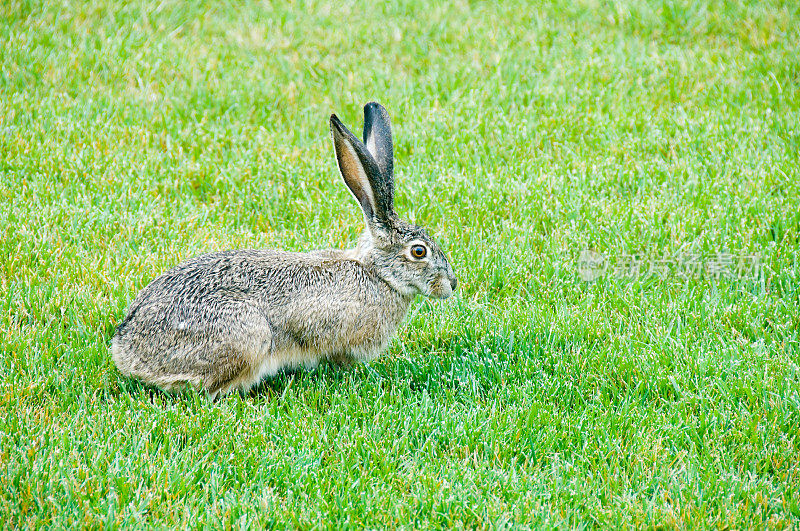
{"points": [[225, 320]]}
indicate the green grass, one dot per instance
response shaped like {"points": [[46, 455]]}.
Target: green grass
{"points": [[134, 138]]}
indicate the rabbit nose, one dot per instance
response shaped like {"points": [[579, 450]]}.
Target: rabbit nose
{"points": [[453, 283]]}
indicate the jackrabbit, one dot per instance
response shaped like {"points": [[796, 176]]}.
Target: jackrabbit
{"points": [[223, 321]]}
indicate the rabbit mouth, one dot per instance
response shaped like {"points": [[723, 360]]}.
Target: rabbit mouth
{"points": [[442, 289]]}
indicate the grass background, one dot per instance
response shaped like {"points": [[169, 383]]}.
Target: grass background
{"points": [[132, 138]]}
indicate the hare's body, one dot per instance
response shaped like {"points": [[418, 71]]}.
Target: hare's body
{"points": [[228, 319], [225, 320]]}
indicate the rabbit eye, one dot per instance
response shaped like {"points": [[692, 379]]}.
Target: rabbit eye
{"points": [[418, 251]]}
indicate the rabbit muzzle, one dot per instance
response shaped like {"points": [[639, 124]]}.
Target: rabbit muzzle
{"points": [[443, 287]]}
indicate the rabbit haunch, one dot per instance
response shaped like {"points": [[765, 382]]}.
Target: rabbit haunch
{"points": [[223, 321]]}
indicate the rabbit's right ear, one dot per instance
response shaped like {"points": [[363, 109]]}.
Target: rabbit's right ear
{"points": [[360, 171]]}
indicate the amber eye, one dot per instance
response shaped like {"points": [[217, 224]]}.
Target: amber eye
{"points": [[418, 251]]}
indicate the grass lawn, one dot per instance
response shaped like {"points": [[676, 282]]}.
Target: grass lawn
{"points": [[132, 138]]}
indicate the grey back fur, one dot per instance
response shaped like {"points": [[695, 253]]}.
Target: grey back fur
{"points": [[223, 321]]}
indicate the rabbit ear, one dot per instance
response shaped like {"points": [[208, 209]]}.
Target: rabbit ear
{"points": [[360, 172], [378, 139]]}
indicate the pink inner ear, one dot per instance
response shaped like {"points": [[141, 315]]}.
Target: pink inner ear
{"points": [[354, 174]]}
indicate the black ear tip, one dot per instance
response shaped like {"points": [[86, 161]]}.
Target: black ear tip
{"points": [[374, 106]]}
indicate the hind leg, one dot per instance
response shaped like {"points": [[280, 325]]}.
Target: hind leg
{"points": [[239, 366], [215, 356], [229, 367]]}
